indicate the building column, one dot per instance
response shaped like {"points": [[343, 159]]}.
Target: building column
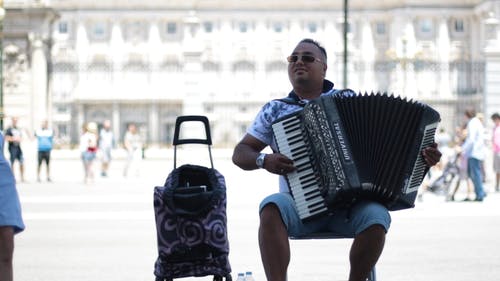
{"points": [[407, 49], [492, 82], [39, 95], [116, 52], [367, 48], [115, 121], [492, 65], [444, 59], [81, 50], [402, 50], [80, 121], [154, 127], [192, 51]]}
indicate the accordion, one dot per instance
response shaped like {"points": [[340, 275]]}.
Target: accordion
{"points": [[348, 148]]}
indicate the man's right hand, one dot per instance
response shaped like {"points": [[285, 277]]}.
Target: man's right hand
{"points": [[279, 164]]}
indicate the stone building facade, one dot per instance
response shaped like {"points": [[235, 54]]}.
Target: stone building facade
{"points": [[146, 62]]}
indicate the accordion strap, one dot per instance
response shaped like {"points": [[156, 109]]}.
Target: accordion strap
{"points": [[294, 99], [289, 100]]}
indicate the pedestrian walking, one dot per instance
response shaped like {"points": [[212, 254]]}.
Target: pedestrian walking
{"points": [[11, 221], [474, 150], [461, 160], [45, 142], [88, 150], [106, 144], [133, 145], [496, 149], [14, 137]]}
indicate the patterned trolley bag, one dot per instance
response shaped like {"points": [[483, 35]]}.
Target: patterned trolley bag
{"points": [[191, 221]]}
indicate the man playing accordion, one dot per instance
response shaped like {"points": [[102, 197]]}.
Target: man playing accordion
{"points": [[367, 221]]}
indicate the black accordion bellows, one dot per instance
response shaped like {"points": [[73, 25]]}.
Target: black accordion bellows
{"points": [[387, 140], [360, 146]]}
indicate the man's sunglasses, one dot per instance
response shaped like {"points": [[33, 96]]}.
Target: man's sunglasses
{"points": [[304, 58]]}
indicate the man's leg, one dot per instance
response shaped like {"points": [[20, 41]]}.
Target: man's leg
{"points": [[21, 170], [367, 222], [104, 165], [6, 252], [365, 251], [474, 166], [20, 158], [12, 157], [39, 167], [47, 165], [273, 243], [497, 182]]}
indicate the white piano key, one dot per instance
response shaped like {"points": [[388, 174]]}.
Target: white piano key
{"points": [[303, 183]]}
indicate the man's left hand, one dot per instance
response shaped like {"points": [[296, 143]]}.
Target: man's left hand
{"points": [[431, 155]]}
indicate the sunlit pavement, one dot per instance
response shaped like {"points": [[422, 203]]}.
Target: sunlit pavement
{"points": [[106, 230]]}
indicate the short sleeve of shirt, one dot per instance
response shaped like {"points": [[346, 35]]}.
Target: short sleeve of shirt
{"points": [[261, 128]]}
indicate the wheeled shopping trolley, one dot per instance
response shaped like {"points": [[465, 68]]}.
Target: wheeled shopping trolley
{"points": [[190, 214]]}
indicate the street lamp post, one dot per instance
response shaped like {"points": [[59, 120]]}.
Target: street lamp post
{"points": [[346, 25], [2, 15]]}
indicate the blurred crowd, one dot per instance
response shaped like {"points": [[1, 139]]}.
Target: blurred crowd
{"points": [[471, 154], [95, 145]]}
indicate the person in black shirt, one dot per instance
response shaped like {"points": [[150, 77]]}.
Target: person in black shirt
{"points": [[13, 136]]}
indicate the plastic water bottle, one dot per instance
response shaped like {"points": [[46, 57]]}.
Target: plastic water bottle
{"points": [[249, 276], [241, 277]]}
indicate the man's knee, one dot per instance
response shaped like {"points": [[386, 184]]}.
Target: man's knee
{"points": [[375, 231], [371, 214], [270, 215]]}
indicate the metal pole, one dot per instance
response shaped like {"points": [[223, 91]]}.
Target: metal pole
{"points": [[346, 9], [50, 72]]}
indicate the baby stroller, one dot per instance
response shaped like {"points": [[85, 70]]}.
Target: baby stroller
{"points": [[451, 173], [191, 221]]}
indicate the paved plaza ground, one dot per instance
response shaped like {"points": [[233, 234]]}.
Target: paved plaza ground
{"points": [[105, 230]]}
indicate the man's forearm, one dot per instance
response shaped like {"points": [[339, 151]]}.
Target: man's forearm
{"points": [[244, 157]]}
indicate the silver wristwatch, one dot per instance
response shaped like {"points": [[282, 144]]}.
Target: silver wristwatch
{"points": [[260, 160]]}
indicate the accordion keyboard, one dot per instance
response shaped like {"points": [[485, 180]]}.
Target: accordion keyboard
{"points": [[302, 182]]}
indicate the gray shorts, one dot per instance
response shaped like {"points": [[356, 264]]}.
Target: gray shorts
{"points": [[496, 162], [346, 223]]}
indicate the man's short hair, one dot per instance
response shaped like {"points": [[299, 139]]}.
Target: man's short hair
{"points": [[317, 44], [470, 113], [495, 116]]}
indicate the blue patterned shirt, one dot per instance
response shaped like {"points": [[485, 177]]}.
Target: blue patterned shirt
{"points": [[261, 128]]}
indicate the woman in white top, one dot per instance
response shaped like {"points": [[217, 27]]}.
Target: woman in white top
{"points": [[133, 144], [88, 150]]}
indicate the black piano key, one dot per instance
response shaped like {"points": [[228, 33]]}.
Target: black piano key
{"points": [[302, 168], [298, 152], [291, 127]]}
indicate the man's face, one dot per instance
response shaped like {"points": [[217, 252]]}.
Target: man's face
{"points": [[300, 71]]}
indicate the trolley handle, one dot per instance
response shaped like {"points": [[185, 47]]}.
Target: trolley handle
{"points": [[189, 118], [207, 140]]}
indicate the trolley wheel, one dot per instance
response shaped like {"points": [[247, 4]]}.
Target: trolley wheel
{"points": [[221, 278]]}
